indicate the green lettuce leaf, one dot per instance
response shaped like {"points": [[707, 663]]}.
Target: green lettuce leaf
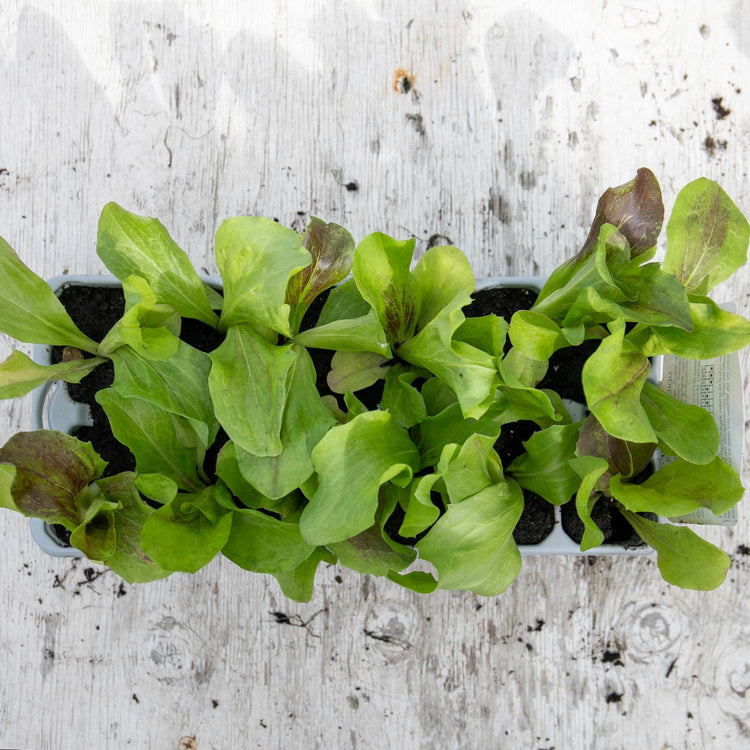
{"points": [[613, 377], [590, 469], [248, 385], [707, 237], [687, 430], [256, 258], [544, 467], [363, 334], [155, 437], [441, 273], [265, 544], [353, 371], [381, 272], [132, 245], [401, 399], [684, 559], [188, 532], [471, 544], [306, 419], [331, 248], [679, 488], [344, 303], [298, 584], [468, 371], [352, 461], [19, 374], [29, 309]]}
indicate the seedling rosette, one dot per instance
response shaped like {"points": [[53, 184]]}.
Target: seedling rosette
{"points": [[311, 467]]}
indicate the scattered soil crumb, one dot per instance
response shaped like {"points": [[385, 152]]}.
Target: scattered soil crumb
{"points": [[281, 618], [612, 657], [539, 625], [743, 549], [614, 697], [721, 111], [710, 145]]}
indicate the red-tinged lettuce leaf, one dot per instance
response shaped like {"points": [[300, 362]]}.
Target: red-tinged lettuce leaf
{"points": [[132, 245], [622, 457], [441, 273], [613, 377], [51, 471], [544, 467], [707, 237], [161, 442], [331, 249], [684, 559], [29, 309], [679, 488], [352, 461], [256, 258], [248, 385], [590, 469], [19, 374], [128, 559], [635, 208], [189, 531], [306, 419], [264, 544], [471, 544], [687, 430], [381, 272]]}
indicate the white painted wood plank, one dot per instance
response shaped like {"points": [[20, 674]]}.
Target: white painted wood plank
{"points": [[518, 117]]}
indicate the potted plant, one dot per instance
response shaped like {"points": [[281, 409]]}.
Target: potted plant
{"points": [[293, 414]]}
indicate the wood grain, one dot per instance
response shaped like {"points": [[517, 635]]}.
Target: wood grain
{"points": [[513, 118]]}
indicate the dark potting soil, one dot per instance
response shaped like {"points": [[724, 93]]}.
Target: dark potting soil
{"points": [[95, 309]]}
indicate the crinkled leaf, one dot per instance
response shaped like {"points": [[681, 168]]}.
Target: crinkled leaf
{"points": [[486, 333], [188, 532], [51, 471], [679, 488], [707, 237], [684, 559], [132, 245], [364, 334], [331, 249], [153, 435], [178, 385], [265, 544], [468, 371], [687, 430], [353, 371], [469, 470], [613, 377], [441, 273], [352, 461], [544, 467], [256, 258], [248, 385], [306, 419], [420, 512], [381, 272], [95, 534], [471, 544], [29, 309], [19, 374]]}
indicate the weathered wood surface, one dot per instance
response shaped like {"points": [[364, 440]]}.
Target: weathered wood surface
{"points": [[517, 116]]}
